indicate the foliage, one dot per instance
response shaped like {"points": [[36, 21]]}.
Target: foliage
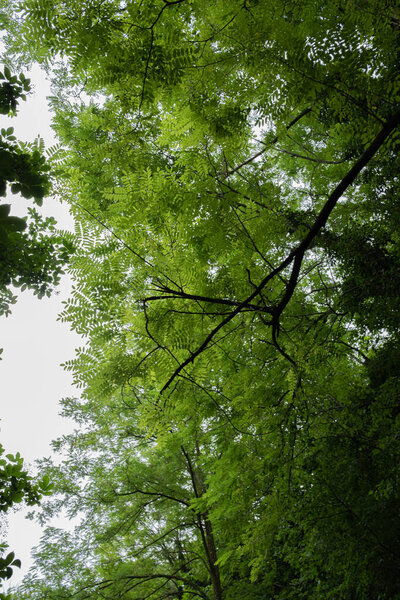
{"points": [[233, 170], [16, 486], [31, 255]]}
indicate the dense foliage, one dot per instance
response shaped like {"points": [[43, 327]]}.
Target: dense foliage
{"points": [[233, 170]]}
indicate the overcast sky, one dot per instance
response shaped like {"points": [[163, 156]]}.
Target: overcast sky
{"points": [[34, 345]]}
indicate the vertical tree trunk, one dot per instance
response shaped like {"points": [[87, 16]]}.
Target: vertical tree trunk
{"points": [[206, 529], [212, 553]]}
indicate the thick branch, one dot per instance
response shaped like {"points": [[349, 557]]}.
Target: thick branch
{"points": [[185, 296], [330, 204]]}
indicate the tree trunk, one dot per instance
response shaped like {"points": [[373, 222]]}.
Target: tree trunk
{"points": [[205, 527]]}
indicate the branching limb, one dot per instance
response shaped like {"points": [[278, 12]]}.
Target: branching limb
{"points": [[148, 493], [296, 256], [274, 141], [226, 302], [320, 222]]}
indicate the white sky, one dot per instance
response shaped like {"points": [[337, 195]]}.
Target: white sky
{"points": [[34, 344]]}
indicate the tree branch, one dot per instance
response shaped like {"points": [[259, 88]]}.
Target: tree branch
{"points": [[320, 222], [297, 254], [158, 494], [177, 294], [320, 161], [274, 141]]}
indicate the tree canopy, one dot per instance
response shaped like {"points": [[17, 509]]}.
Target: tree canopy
{"points": [[233, 171]]}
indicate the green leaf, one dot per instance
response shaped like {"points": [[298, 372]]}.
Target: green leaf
{"points": [[9, 558], [16, 563]]}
